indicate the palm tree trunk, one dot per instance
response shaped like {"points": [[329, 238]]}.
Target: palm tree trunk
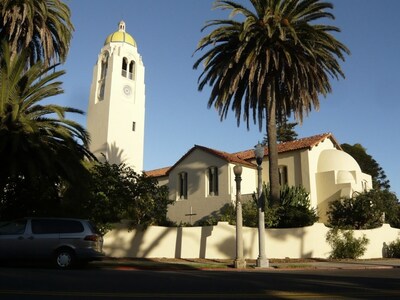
{"points": [[273, 152]]}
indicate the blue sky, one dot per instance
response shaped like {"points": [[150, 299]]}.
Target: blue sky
{"points": [[363, 108]]}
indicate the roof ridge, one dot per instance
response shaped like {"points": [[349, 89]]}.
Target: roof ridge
{"points": [[243, 157]]}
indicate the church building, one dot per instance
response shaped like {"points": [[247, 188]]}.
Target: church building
{"points": [[116, 112], [203, 181]]}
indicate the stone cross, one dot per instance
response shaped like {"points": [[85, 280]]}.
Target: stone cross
{"points": [[191, 214]]}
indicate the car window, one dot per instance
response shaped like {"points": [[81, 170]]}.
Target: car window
{"points": [[93, 228], [13, 227], [49, 226], [70, 226]]}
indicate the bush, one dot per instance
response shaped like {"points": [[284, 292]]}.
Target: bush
{"points": [[393, 249], [225, 214], [364, 210], [345, 245], [294, 211]]}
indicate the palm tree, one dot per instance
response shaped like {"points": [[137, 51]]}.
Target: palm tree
{"points": [[36, 139], [42, 26], [275, 62]]}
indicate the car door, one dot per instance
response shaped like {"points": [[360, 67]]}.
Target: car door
{"points": [[44, 238], [13, 239]]}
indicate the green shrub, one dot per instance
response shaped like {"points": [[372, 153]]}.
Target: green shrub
{"points": [[294, 211], [226, 214], [365, 210], [345, 245], [393, 249]]}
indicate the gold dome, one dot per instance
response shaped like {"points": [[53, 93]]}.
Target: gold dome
{"points": [[120, 36]]}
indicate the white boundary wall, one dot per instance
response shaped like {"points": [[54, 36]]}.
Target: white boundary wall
{"points": [[218, 242]]}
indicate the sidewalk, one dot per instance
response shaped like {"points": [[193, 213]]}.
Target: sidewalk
{"points": [[215, 265]]}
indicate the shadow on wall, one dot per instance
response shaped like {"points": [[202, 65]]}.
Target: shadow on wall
{"points": [[163, 242], [112, 153], [133, 243], [297, 235], [218, 242], [194, 242]]}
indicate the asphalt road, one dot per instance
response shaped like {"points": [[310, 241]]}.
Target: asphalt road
{"points": [[108, 283]]}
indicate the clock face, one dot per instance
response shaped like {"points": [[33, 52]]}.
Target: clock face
{"points": [[127, 90]]}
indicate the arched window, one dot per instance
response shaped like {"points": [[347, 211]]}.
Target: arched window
{"points": [[182, 188], [124, 66], [104, 65], [103, 74], [131, 74], [283, 175], [212, 181]]}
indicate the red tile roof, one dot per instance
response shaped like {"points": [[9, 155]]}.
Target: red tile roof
{"points": [[242, 157], [231, 158], [157, 172], [299, 144]]}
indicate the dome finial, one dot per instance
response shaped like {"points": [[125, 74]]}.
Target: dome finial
{"points": [[120, 36], [121, 26]]}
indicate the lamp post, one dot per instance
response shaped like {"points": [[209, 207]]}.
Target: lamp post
{"points": [[262, 261], [240, 262]]}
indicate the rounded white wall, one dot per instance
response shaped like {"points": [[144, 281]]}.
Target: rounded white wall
{"points": [[333, 159]]}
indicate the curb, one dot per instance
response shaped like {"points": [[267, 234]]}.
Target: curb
{"points": [[165, 266]]}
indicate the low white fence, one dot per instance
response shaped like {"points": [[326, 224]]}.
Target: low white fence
{"points": [[218, 242]]}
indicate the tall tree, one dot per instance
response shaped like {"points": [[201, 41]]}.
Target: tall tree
{"points": [[36, 138], [284, 131], [276, 60], [42, 26], [368, 165]]}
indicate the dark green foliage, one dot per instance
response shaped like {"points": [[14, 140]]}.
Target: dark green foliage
{"points": [[393, 249], [365, 210], [368, 165], [226, 214], [36, 139], [41, 149], [36, 197], [294, 211], [111, 193], [43, 27], [345, 245], [117, 192]]}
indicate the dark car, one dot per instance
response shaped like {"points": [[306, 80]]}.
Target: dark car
{"points": [[65, 241]]}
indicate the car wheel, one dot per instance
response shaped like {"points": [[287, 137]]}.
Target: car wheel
{"points": [[64, 258]]}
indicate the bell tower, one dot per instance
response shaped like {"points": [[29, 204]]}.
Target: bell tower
{"points": [[115, 118]]}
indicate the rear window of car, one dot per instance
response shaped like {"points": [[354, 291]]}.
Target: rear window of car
{"points": [[93, 228], [48, 226], [13, 227]]}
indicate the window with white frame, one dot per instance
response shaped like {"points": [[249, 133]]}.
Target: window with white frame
{"points": [[212, 175], [182, 185]]}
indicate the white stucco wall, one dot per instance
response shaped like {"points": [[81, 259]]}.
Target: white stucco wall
{"points": [[337, 175], [248, 184], [199, 203], [312, 159]]}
